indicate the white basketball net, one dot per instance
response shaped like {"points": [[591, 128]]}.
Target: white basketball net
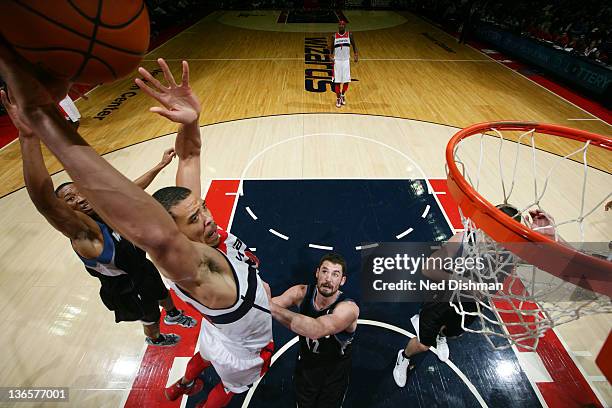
{"points": [[537, 300]]}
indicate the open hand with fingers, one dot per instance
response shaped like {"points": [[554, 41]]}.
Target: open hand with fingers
{"points": [[14, 114], [179, 103]]}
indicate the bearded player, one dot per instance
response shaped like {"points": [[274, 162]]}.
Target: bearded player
{"points": [[326, 323]]}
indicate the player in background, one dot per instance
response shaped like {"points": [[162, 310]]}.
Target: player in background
{"points": [[326, 323], [341, 44]]}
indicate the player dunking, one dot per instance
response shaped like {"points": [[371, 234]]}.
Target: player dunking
{"points": [[130, 284], [341, 43], [207, 267]]}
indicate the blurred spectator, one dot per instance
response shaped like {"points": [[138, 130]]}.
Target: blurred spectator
{"points": [[581, 27]]}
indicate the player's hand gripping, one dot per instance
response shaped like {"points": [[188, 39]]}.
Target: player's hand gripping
{"points": [[543, 223], [179, 103], [29, 86]]}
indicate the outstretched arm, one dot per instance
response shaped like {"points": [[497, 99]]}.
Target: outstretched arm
{"points": [[84, 233], [180, 105], [129, 209], [146, 179], [291, 297], [344, 315]]}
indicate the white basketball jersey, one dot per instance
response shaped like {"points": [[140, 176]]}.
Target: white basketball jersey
{"points": [[342, 46], [248, 323]]}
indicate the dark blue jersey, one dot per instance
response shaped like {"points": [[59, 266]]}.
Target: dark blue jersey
{"points": [[329, 349]]}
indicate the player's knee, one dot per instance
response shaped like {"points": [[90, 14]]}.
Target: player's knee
{"points": [[422, 347]]}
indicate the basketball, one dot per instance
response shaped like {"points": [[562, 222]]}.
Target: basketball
{"points": [[84, 41]]}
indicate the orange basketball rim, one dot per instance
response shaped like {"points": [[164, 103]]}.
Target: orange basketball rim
{"points": [[561, 260]]}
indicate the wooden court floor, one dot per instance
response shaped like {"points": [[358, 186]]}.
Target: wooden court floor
{"points": [[240, 73], [52, 306]]}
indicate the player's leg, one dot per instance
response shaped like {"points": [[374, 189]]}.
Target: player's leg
{"points": [[335, 81], [346, 79], [219, 397], [174, 315], [150, 322], [336, 385], [454, 324], [155, 338], [307, 383], [338, 95], [343, 93], [190, 383], [430, 320], [152, 288]]}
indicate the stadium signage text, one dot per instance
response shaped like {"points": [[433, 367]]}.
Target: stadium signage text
{"points": [[116, 103]]}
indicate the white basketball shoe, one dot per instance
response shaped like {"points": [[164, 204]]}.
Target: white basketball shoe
{"points": [[400, 372]]}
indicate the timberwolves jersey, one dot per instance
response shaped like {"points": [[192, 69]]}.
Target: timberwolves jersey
{"points": [[326, 350], [131, 285], [118, 256], [342, 46]]}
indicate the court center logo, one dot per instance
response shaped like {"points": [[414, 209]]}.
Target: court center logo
{"points": [[319, 68]]}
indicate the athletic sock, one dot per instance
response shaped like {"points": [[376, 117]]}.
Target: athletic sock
{"points": [[344, 88], [195, 366], [158, 340]]}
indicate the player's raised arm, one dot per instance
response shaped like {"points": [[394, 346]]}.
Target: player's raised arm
{"points": [[343, 316], [180, 105], [128, 209], [81, 229], [146, 179]]}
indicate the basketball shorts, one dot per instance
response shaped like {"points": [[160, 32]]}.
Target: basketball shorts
{"points": [[434, 315], [321, 386], [237, 366], [151, 289], [342, 72], [130, 302]]}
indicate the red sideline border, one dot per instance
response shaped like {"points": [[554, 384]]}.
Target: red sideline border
{"points": [[569, 388], [148, 386], [591, 106]]}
